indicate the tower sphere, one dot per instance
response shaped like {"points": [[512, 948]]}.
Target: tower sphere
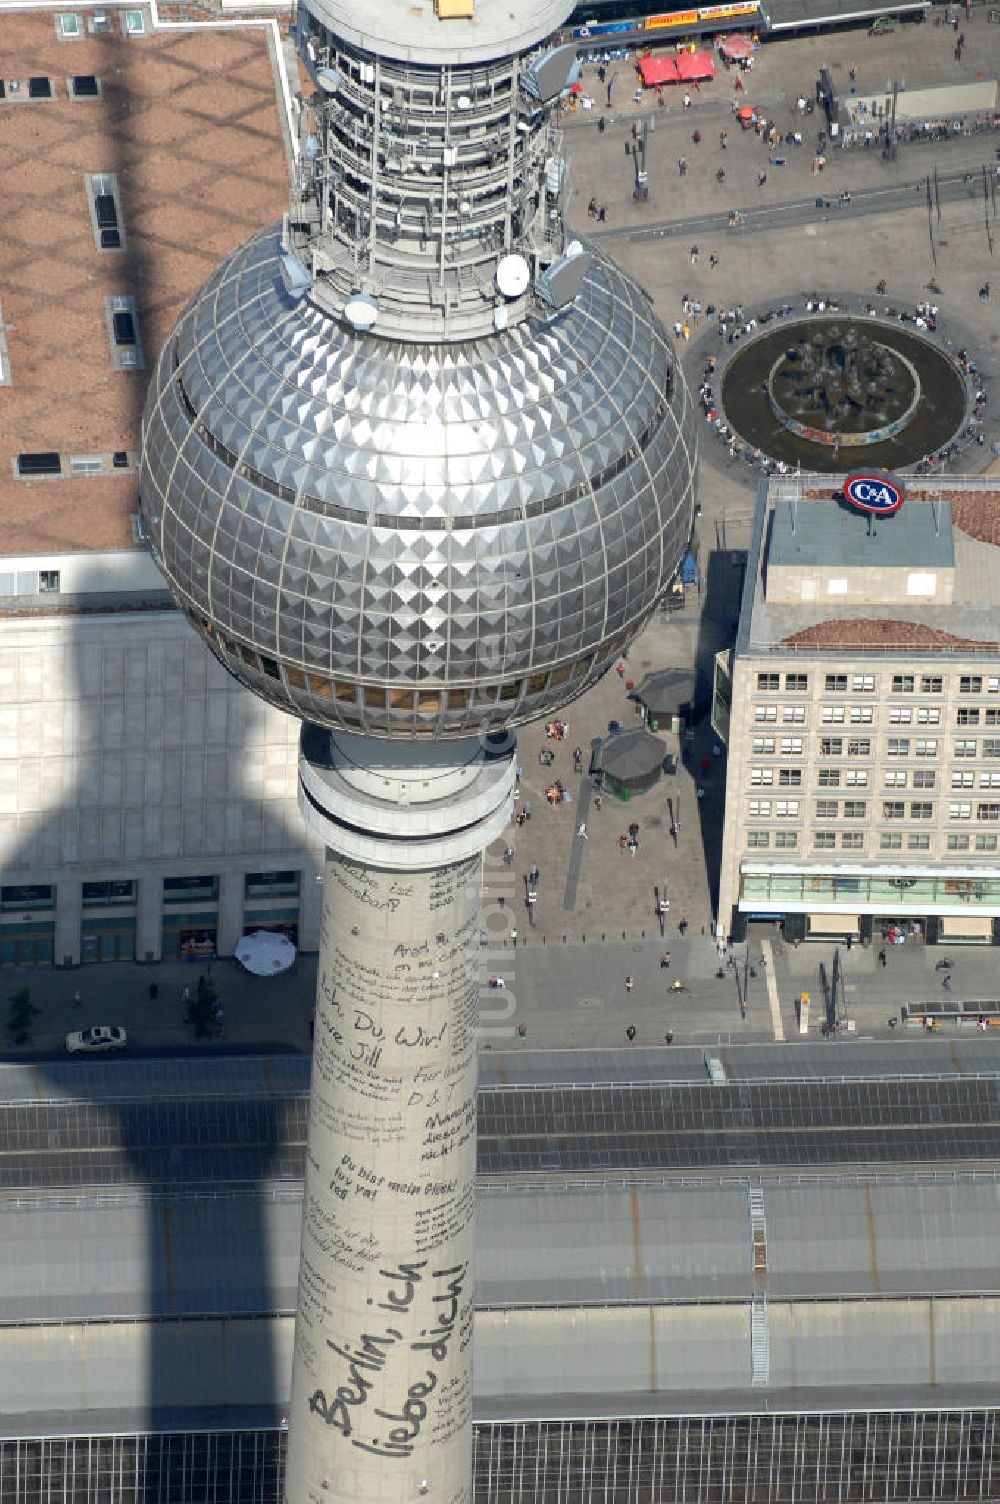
{"points": [[404, 524]]}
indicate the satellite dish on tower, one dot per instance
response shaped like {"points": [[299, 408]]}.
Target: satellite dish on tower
{"points": [[361, 310], [513, 276]]}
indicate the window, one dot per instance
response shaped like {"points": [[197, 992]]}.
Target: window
{"points": [[760, 809], [989, 780], [960, 780], [135, 23], [48, 582], [763, 744], [931, 684], [857, 778], [923, 779], [986, 843], [124, 327], [791, 746], [899, 715], [794, 715], [797, 683], [824, 840], [991, 716], [758, 838], [270, 884], [790, 778], [768, 681], [894, 778], [927, 749], [859, 746], [968, 715], [855, 809], [184, 889], [921, 810], [833, 715], [993, 685], [69, 25], [835, 683], [898, 746], [786, 839], [991, 747], [827, 809], [40, 87], [852, 840], [762, 776], [970, 684], [929, 715], [97, 894], [891, 840], [829, 778], [862, 715], [27, 896], [965, 749], [765, 713], [917, 842], [958, 843], [960, 812], [39, 462], [831, 746], [863, 684], [787, 809], [902, 684], [84, 86], [893, 809]]}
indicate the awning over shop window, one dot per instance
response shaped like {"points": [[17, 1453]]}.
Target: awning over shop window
{"points": [[834, 924], [967, 927]]}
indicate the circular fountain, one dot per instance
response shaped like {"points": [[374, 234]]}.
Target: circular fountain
{"points": [[807, 390]]}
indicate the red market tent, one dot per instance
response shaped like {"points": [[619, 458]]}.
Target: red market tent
{"points": [[658, 70], [736, 46], [693, 67]]}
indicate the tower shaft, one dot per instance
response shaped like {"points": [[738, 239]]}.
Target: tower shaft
{"points": [[381, 1404], [381, 1407]]}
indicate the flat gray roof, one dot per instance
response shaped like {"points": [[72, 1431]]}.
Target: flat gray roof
{"points": [[830, 533], [410, 30]]}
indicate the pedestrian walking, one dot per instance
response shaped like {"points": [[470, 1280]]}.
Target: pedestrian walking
{"points": [[723, 140], [582, 831], [687, 101], [883, 959], [761, 179], [665, 961], [629, 983], [522, 1031], [713, 259], [880, 287], [186, 995], [77, 1000], [602, 214], [682, 165], [630, 1033], [694, 255]]}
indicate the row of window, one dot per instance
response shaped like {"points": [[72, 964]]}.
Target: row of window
{"points": [[892, 809], [854, 840], [900, 684], [864, 715], [176, 890], [896, 746]]}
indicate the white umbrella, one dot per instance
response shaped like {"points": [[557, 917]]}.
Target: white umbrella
{"points": [[265, 953]]}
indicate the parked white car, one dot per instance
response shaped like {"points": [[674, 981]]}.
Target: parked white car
{"points": [[100, 1037]]}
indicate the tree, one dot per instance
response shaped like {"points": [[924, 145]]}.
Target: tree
{"points": [[201, 1010], [19, 1016]]}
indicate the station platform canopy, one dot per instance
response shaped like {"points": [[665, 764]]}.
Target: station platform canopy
{"points": [[795, 15]]}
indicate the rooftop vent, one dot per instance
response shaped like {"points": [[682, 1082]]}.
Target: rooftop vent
{"points": [[84, 86], [39, 87]]}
